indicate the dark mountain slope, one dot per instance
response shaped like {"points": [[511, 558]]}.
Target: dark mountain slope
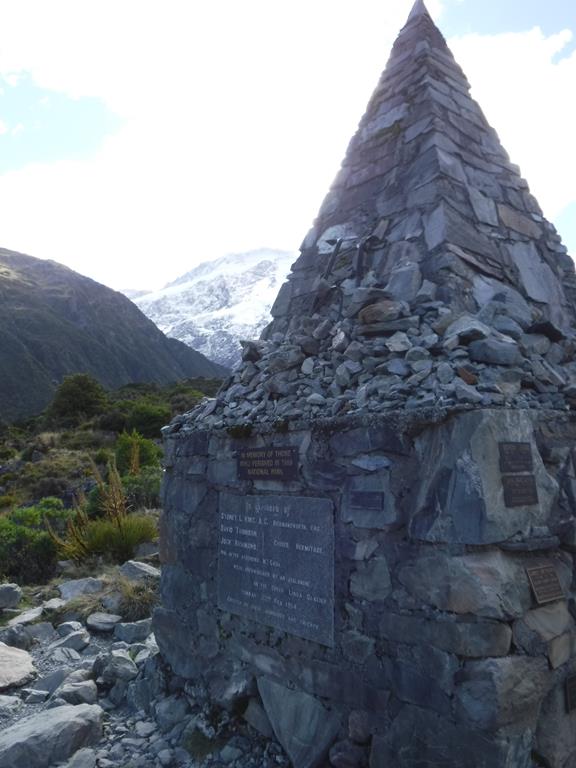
{"points": [[54, 322]]}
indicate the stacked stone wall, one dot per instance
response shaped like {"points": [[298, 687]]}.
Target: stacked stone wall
{"points": [[439, 652]]}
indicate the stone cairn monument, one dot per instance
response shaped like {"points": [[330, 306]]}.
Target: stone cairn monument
{"points": [[369, 534]]}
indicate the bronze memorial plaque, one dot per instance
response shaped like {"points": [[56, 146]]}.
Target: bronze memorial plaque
{"points": [[515, 457], [571, 693], [268, 464], [545, 584], [520, 490], [276, 562]]}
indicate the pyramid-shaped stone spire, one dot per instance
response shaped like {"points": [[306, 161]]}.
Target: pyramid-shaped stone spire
{"points": [[430, 276]]}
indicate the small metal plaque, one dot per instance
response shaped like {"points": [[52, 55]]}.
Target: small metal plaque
{"points": [[370, 500], [268, 464], [520, 490], [571, 693], [515, 457], [545, 584], [276, 563]]}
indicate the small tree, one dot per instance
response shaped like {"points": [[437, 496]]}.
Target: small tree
{"points": [[78, 396]]}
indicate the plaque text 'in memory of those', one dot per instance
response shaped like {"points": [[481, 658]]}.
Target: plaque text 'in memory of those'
{"points": [[276, 563], [267, 464]]}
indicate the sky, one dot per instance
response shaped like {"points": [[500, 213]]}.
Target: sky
{"points": [[139, 138]]}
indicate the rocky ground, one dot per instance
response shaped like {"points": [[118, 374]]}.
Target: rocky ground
{"points": [[93, 692]]}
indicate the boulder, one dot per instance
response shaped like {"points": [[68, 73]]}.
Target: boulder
{"points": [[84, 758], [9, 705], [133, 632], [50, 737], [136, 571], [27, 617], [10, 595], [115, 665], [77, 587], [302, 725], [80, 692], [68, 627], [75, 641], [495, 352], [103, 622], [16, 667]]}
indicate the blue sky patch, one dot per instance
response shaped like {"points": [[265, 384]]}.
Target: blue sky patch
{"points": [[492, 17], [42, 126], [566, 226]]}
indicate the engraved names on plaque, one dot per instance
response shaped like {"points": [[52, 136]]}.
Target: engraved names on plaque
{"points": [[545, 584], [520, 490], [276, 563], [515, 457], [268, 464], [515, 463], [571, 693]]}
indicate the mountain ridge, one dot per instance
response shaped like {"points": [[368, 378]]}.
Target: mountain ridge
{"points": [[54, 321]]}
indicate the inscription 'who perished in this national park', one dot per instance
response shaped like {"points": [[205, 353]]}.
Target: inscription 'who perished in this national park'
{"points": [[276, 563]]}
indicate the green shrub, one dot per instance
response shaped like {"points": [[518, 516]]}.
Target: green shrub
{"points": [[27, 556], [148, 418], [49, 508], [114, 536], [114, 420], [102, 456], [134, 451], [143, 489], [106, 539], [7, 500]]}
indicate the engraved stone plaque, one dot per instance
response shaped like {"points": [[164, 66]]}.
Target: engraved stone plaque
{"points": [[571, 693], [276, 563], [268, 464], [515, 457], [545, 584], [520, 490]]}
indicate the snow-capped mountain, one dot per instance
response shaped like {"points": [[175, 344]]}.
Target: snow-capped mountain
{"points": [[220, 302]]}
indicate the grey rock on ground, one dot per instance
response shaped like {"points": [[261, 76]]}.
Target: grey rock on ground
{"points": [[133, 570], [77, 587], [10, 596], [50, 737], [16, 667]]}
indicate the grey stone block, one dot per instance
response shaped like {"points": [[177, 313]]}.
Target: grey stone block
{"points": [[494, 693], [302, 725], [420, 737], [473, 639]]}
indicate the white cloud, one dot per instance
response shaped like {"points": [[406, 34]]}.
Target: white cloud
{"points": [[236, 116], [4, 128]]}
